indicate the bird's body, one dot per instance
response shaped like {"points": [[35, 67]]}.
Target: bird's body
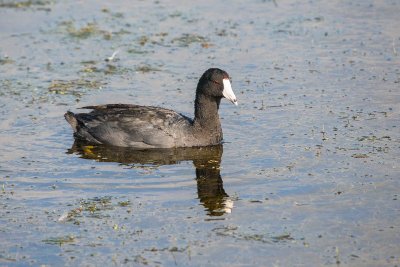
{"points": [[145, 127]]}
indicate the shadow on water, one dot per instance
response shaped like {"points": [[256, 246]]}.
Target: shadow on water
{"points": [[206, 160]]}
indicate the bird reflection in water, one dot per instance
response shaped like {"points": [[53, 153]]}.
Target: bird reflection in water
{"points": [[207, 161]]}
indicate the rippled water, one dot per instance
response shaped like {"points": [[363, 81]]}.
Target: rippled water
{"points": [[309, 171]]}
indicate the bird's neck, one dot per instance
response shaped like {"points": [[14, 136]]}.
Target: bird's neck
{"points": [[206, 112]]}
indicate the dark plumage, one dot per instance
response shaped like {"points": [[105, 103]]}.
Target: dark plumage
{"points": [[154, 127]]}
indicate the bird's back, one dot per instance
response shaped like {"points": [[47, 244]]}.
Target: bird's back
{"points": [[130, 126]]}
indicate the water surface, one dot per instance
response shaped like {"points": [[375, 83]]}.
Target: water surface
{"points": [[309, 171]]}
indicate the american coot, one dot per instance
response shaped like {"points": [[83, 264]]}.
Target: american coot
{"points": [[154, 127]]}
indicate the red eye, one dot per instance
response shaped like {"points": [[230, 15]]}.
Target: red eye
{"points": [[215, 82]]}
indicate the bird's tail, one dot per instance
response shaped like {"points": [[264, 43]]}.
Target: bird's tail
{"points": [[70, 117]]}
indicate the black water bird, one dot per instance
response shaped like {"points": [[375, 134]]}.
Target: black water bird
{"points": [[143, 127]]}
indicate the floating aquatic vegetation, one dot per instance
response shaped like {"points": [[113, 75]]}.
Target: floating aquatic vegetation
{"points": [[146, 68], [233, 231], [73, 87], [157, 38], [113, 14], [373, 138], [124, 203], [143, 40], [186, 39], [24, 4], [6, 60], [360, 156], [162, 39], [170, 249], [92, 208], [61, 240], [107, 69], [136, 51], [282, 238], [84, 32]]}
